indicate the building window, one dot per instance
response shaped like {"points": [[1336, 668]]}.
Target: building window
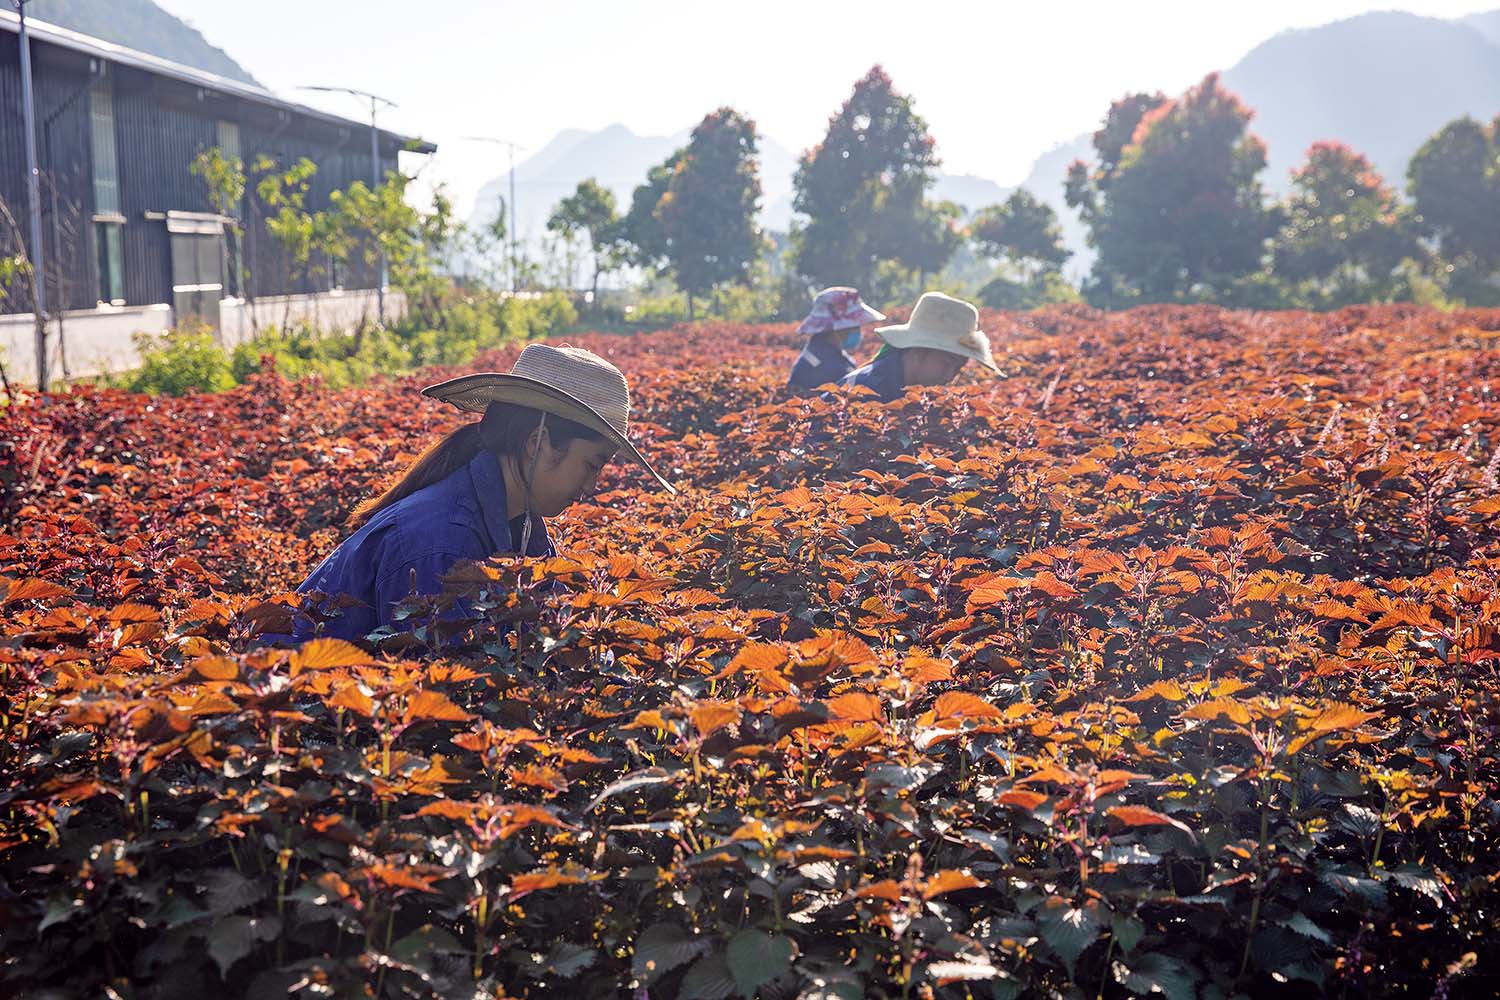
{"points": [[111, 259], [233, 286], [229, 139], [109, 256], [102, 145]]}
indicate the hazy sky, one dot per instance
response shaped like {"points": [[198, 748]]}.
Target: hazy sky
{"points": [[998, 81]]}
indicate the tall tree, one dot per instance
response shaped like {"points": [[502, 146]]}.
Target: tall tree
{"points": [[863, 192], [707, 213], [1454, 180], [1022, 230], [1175, 210], [641, 228], [1023, 233], [1343, 233], [590, 212], [224, 176]]}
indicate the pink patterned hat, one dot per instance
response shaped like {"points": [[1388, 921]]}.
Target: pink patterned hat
{"points": [[838, 308]]}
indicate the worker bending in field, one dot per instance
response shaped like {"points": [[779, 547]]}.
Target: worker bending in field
{"points": [[549, 426], [833, 329], [930, 349]]}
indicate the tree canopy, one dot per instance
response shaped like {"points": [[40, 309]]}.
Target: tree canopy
{"points": [[1176, 210], [1343, 233], [862, 191], [1454, 180], [590, 212], [707, 212]]}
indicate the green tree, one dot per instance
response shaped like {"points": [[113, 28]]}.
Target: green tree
{"points": [[486, 244], [381, 221], [224, 176], [283, 193], [641, 230], [1024, 234], [1454, 181], [863, 192], [590, 212], [1344, 232], [707, 213], [1175, 210], [1023, 231]]}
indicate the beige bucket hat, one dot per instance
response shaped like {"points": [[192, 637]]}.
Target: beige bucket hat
{"points": [[943, 323], [570, 382]]}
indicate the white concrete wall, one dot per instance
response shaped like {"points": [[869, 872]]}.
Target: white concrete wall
{"points": [[337, 310], [100, 341], [96, 340]]}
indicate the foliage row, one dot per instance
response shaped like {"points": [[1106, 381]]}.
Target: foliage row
{"points": [[1164, 665]]}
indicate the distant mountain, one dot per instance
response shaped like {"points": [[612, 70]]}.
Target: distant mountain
{"points": [[1487, 25], [615, 156], [140, 24], [1380, 82], [618, 159], [970, 192]]}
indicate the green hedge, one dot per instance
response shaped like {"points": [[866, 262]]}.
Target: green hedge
{"points": [[190, 360]]}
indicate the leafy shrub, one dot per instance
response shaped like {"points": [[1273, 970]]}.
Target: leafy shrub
{"points": [[339, 359], [180, 362], [479, 323], [1164, 665], [1047, 288], [532, 318]]}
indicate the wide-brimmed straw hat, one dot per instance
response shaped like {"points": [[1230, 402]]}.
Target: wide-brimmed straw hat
{"points": [[570, 382], [838, 308], [943, 323]]}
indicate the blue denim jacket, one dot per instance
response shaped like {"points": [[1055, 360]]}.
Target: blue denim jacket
{"points": [[408, 547], [820, 362], [883, 375]]}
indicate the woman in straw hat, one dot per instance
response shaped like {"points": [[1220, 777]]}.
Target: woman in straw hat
{"points": [[549, 426], [929, 349], [833, 329]]}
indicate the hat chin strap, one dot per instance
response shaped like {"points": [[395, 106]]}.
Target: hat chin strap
{"points": [[530, 473]]}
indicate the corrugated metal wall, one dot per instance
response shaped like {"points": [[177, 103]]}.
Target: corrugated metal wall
{"points": [[160, 127], [155, 144]]}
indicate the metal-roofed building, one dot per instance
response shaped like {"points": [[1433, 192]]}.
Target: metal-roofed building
{"points": [[132, 242]]}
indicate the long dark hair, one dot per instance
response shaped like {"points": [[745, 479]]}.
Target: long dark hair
{"points": [[503, 430]]}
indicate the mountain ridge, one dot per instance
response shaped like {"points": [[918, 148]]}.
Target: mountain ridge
{"points": [[1382, 82], [144, 26]]}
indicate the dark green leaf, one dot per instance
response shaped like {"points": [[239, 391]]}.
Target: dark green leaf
{"points": [[567, 959], [1127, 931], [1068, 929], [415, 947], [229, 891], [1156, 973], [1299, 924], [60, 909], [709, 979], [644, 778], [232, 938], [663, 947], [755, 957]]}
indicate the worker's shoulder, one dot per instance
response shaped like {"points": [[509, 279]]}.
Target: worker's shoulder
{"points": [[428, 522]]}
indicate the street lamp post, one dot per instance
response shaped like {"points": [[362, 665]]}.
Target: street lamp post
{"points": [[35, 251], [375, 102], [514, 221]]}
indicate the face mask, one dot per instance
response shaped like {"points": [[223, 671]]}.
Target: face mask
{"points": [[851, 339]]}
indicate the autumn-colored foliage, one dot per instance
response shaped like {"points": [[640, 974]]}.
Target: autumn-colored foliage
{"points": [[1165, 664]]}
